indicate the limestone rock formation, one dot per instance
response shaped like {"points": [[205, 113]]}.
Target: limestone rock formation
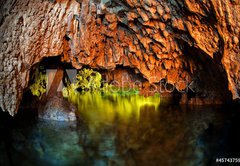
{"points": [[181, 43], [58, 109]]}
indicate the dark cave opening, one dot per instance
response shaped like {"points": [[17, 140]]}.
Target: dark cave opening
{"points": [[121, 76], [47, 64], [210, 79]]}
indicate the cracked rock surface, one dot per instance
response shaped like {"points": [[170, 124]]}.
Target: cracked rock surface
{"points": [[170, 40]]}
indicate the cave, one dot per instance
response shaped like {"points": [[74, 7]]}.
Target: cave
{"points": [[119, 82]]}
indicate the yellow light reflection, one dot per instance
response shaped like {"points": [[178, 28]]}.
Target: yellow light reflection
{"points": [[98, 107]]}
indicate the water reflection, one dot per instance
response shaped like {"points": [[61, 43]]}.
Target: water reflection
{"points": [[102, 107], [124, 130]]}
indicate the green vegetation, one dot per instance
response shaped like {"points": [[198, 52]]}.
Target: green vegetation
{"points": [[89, 80], [38, 87], [86, 80]]}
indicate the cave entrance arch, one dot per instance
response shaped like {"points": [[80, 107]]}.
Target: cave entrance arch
{"points": [[57, 72]]}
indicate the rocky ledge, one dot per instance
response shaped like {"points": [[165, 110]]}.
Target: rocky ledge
{"points": [[58, 109]]}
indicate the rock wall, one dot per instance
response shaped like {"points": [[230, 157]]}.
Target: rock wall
{"points": [[193, 42]]}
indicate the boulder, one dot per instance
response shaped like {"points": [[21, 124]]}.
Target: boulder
{"points": [[57, 109]]}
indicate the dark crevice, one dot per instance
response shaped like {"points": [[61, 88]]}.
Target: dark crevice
{"points": [[67, 38], [125, 27], [123, 3], [210, 79], [2, 20]]}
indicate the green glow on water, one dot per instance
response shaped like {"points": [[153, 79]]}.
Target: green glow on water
{"points": [[107, 106]]}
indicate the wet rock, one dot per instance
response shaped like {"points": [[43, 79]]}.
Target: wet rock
{"points": [[178, 23], [235, 40], [111, 18], [131, 16], [143, 15], [160, 10], [58, 109]]}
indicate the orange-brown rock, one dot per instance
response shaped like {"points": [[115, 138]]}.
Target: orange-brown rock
{"points": [[159, 39]]}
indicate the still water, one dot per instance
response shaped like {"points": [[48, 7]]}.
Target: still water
{"points": [[118, 130]]}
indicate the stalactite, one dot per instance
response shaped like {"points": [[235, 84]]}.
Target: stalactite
{"points": [[167, 40]]}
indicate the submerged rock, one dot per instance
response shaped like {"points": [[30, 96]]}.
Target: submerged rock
{"points": [[58, 109]]}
